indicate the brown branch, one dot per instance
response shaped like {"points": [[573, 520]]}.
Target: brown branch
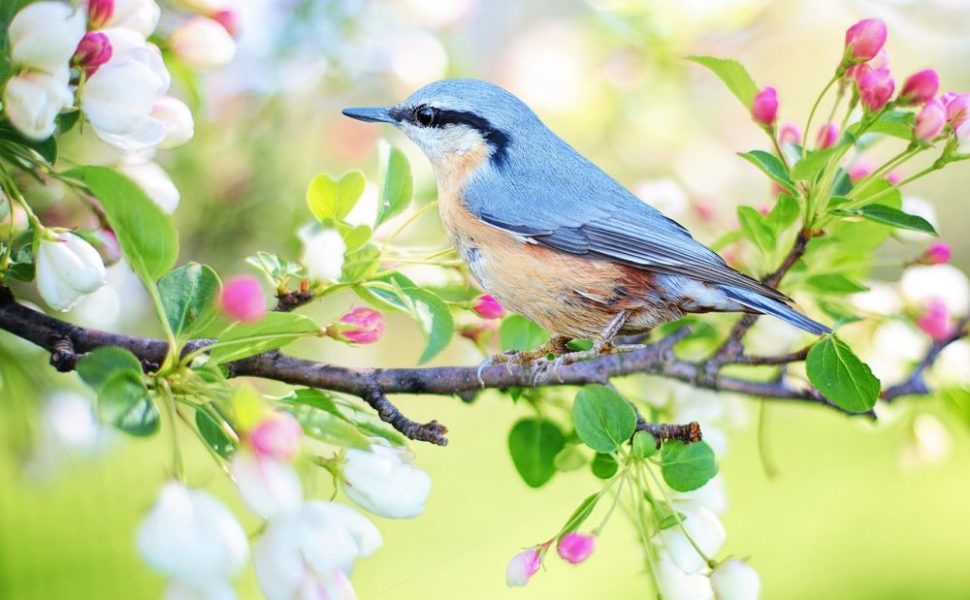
{"points": [[290, 301], [689, 433]]}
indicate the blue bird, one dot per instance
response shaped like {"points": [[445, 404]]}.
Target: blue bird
{"points": [[551, 235]]}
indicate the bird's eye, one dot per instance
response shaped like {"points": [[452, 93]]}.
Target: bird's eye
{"points": [[425, 116]]}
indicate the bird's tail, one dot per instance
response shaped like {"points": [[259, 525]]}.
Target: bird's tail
{"points": [[775, 308]]}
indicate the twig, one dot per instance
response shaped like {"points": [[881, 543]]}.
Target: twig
{"points": [[662, 432], [915, 384]]}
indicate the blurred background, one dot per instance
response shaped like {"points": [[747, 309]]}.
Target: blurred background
{"points": [[857, 510]]}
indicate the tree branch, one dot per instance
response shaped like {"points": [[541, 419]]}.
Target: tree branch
{"points": [[915, 384]]}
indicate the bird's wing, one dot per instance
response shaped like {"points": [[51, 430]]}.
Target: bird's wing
{"points": [[595, 216]]}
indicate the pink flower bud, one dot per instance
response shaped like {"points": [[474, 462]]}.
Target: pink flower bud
{"points": [[789, 135], [962, 134], [576, 547], [277, 436], [957, 108], [487, 307], [361, 326], [935, 321], [930, 120], [764, 107], [229, 19], [865, 39], [876, 88], [100, 12], [858, 170], [938, 253], [894, 177], [827, 135], [242, 299], [522, 567], [93, 50], [920, 87], [106, 243]]}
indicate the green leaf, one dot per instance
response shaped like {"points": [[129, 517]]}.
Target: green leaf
{"points": [[361, 263], [275, 330], [189, 295], [604, 466], [521, 334], [835, 284], [604, 420], [214, 435], [332, 199], [887, 215], [734, 76], [957, 402], [895, 123], [328, 427], [123, 400], [840, 376], [686, 467], [784, 214], [435, 320], [146, 234], [354, 237], [579, 516], [570, 458], [47, 148], [398, 186], [770, 166], [756, 229], [809, 167], [644, 444], [364, 420], [534, 444]]}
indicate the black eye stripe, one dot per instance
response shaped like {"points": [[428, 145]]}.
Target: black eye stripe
{"points": [[495, 137]]}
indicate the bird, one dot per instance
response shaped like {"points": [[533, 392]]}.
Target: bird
{"points": [[552, 236]]}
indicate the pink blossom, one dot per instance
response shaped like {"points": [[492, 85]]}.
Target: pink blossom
{"points": [[957, 108], [894, 177], [876, 88], [764, 107], [938, 253], [242, 299], [93, 50], [865, 39], [277, 436], [487, 307], [935, 320], [828, 134], [920, 87], [100, 12], [858, 170], [361, 326], [576, 547], [522, 567], [229, 19], [789, 135], [930, 120]]}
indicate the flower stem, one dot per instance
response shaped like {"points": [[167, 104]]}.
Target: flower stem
{"points": [[680, 522], [811, 114], [170, 409]]}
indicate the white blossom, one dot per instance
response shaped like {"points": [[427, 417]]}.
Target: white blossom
{"points": [[675, 584], [44, 35], [704, 528], [178, 121], [735, 580], [920, 284], [119, 98], [32, 100], [67, 269], [385, 481], [140, 16], [312, 547], [268, 486], [323, 252], [203, 43], [154, 181], [192, 537]]}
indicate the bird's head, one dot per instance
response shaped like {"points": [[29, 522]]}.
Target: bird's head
{"points": [[455, 120]]}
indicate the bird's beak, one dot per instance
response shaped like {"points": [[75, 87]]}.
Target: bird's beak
{"points": [[371, 115]]}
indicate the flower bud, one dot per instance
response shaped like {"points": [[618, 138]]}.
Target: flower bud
{"points": [[704, 528], [93, 50], [67, 269], [828, 134], [44, 35], [522, 567], [935, 320], [229, 19], [359, 325], [858, 170], [177, 119], [963, 138], [203, 44], [920, 87], [277, 436], [789, 135], [764, 107], [323, 253], [32, 101], [487, 307], [192, 537], [930, 120], [674, 584], [957, 108], [937, 254], [576, 547], [106, 243], [100, 13], [735, 580], [385, 481], [876, 88], [155, 182], [242, 299], [864, 40]]}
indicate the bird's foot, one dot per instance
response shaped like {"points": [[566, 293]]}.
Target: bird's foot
{"points": [[512, 360]]}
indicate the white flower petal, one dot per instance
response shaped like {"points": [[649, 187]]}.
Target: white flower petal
{"points": [[44, 35], [704, 528], [385, 481], [269, 487]]}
